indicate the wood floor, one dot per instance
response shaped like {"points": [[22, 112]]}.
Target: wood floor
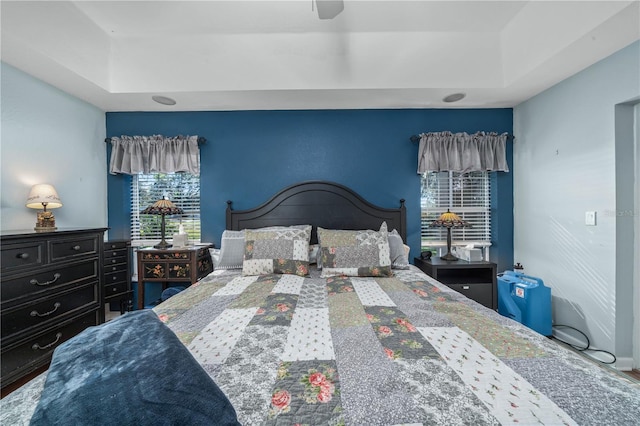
{"points": [[15, 385], [635, 374]]}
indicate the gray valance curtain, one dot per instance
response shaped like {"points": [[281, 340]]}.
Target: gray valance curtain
{"points": [[462, 152], [148, 154]]}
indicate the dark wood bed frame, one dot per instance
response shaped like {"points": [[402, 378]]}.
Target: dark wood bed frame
{"points": [[318, 203]]}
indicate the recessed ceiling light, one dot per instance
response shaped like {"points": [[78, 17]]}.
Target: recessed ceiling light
{"points": [[164, 100], [454, 97]]}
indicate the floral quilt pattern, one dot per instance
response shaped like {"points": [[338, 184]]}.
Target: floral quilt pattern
{"points": [[402, 350], [306, 391]]}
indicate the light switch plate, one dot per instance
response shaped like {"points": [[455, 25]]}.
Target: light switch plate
{"points": [[590, 218]]}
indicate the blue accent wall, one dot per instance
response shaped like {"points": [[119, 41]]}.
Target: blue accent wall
{"points": [[250, 155]]}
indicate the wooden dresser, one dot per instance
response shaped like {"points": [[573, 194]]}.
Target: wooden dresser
{"points": [[51, 290], [117, 274]]}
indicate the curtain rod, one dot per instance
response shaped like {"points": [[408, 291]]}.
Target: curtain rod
{"points": [[416, 138], [201, 140]]}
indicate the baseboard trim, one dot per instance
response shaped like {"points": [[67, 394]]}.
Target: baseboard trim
{"points": [[624, 364]]}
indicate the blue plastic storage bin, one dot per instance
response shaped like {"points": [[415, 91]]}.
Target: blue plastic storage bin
{"points": [[525, 299]]}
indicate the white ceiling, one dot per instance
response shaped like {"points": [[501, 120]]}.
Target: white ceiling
{"points": [[247, 55]]}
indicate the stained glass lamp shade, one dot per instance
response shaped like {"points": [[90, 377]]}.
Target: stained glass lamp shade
{"points": [[449, 220], [164, 208]]}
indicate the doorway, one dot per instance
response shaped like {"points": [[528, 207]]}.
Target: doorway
{"points": [[627, 220], [636, 216]]}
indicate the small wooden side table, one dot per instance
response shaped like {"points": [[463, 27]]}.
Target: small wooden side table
{"points": [[180, 264]]}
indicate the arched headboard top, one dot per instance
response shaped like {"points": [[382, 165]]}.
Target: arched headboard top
{"points": [[318, 203]]}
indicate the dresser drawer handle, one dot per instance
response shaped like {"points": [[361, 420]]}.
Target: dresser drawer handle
{"points": [[22, 255], [36, 346], [76, 247], [55, 278], [465, 287], [37, 314]]}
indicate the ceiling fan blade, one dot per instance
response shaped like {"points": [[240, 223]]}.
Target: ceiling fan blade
{"points": [[329, 9]]}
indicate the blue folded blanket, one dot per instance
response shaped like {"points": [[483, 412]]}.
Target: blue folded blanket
{"points": [[130, 371]]}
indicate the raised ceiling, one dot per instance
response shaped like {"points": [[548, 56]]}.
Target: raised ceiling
{"points": [[248, 55]]}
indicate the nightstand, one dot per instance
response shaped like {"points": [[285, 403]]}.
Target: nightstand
{"points": [[476, 280], [184, 264]]}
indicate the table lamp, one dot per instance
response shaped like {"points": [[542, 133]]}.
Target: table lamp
{"points": [[43, 196], [163, 208], [449, 220]]}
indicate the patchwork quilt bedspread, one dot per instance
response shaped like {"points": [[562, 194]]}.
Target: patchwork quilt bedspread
{"points": [[291, 350]]}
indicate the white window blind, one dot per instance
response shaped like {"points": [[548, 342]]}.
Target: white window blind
{"points": [[183, 189], [467, 195]]}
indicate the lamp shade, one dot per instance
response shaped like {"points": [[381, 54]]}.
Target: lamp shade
{"points": [[43, 194], [449, 220], [163, 207]]}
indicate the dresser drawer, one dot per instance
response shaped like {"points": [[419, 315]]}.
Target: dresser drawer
{"points": [[20, 256], [120, 262], [66, 249], [111, 255], [42, 312], [35, 351], [157, 255], [115, 245], [115, 277], [480, 292], [111, 290], [117, 267], [32, 286]]}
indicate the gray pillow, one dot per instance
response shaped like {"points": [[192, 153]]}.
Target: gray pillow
{"points": [[231, 253], [231, 250], [399, 258], [283, 250], [361, 253]]}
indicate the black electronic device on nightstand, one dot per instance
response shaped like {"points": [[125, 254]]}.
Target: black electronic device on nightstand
{"points": [[425, 255]]}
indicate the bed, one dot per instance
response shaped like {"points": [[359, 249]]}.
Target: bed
{"points": [[289, 343]]}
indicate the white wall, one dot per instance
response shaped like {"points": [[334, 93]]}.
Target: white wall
{"points": [[565, 165], [48, 136]]}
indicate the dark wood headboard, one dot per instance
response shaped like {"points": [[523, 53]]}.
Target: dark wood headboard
{"points": [[318, 203]]}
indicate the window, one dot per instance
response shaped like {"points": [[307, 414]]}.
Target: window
{"points": [[183, 189], [467, 195]]}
